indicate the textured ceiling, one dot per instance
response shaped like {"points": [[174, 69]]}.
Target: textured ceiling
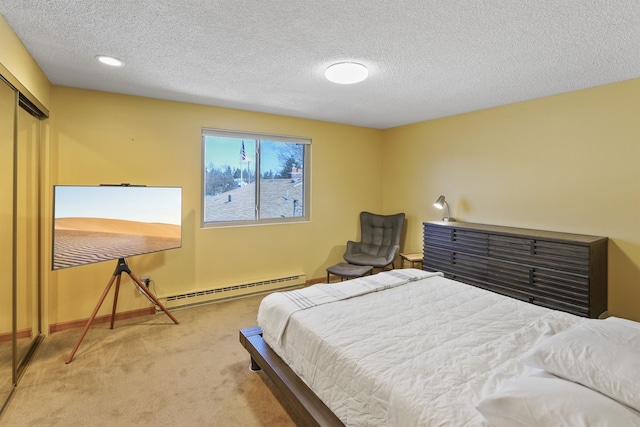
{"points": [[426, 58]]}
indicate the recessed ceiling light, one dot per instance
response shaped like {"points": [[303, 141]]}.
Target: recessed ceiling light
{"points": [[346, 73], [110, 60]]}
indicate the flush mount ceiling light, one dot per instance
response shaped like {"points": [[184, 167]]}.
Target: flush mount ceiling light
{"points": [[110, 60], [346, 73]]}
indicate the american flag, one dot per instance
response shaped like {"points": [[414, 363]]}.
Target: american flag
{"points": [[243, 155]]}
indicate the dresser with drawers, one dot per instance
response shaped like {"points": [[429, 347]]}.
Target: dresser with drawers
{"points": [[563, 271]]}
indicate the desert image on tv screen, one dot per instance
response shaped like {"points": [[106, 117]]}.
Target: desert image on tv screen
{"points": [[101, 223]]}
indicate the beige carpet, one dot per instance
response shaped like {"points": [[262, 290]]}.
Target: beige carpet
{"points": [[148, 371]]}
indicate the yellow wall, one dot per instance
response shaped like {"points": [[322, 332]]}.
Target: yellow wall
{"points": [[99, 137], [568, 163], [17, 60]]}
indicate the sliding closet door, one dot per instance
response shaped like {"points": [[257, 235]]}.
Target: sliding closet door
{"points": [[28, 237], [8, 104], [19, 235]]}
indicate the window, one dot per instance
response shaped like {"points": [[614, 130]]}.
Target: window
{"points": [[254, 178]]}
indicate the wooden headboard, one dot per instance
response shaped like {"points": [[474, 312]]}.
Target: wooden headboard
{"points": [[562, 271]]}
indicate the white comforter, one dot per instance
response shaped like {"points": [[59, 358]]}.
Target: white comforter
{"points": [[417, 354], [277, 308]]}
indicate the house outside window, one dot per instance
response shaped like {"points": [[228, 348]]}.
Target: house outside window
{"points": [[251, 179]]}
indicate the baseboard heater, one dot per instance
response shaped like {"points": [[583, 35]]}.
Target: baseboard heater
{"points": [[233, 291]]}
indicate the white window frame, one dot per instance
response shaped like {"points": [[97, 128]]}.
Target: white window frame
{"points": [[306, 207]]}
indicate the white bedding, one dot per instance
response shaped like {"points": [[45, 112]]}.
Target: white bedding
{"points": [[275, 311], [422, 353]]}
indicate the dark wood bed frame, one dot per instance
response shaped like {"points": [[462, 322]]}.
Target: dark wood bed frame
{"points": [[307, 404], [459, 237]]}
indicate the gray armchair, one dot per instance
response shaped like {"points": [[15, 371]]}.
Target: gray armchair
{"points": [[380, 240]]}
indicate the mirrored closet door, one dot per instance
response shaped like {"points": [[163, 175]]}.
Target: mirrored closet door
{"points": [[27, 229], [8, 105], [20, 246]]}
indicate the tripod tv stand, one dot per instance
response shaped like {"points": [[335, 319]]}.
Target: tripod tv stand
{"points": [[122, 267]]}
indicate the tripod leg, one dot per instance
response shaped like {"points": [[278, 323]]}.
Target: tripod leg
{"points": [[153, 298], [115, 301], [93, 315]]}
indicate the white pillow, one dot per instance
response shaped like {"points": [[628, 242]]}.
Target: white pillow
{"points": [[543, 399], [600, 354]]}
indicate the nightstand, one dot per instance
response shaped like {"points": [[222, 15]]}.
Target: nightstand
{"points": [[413, 258]]}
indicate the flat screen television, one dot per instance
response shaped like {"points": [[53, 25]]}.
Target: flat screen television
{"points": [[106, 222]]}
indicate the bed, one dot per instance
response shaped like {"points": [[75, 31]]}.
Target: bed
{"points": [[409, 347]]}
